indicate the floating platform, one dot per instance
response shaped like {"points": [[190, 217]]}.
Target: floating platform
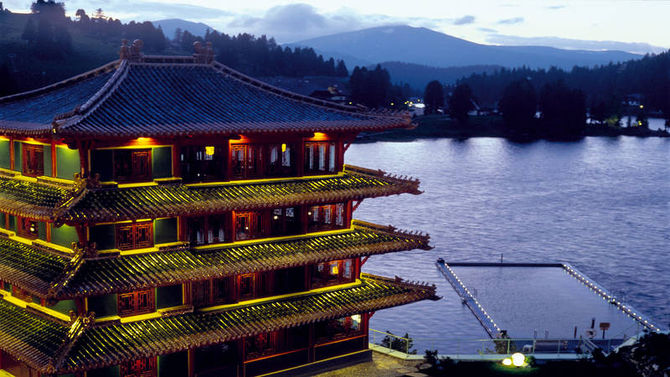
{"points": [[548, 301]]}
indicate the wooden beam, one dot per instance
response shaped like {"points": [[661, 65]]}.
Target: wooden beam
{"points": [[358, 202], [365, 259]]}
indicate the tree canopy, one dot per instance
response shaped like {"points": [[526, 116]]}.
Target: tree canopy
{"points": [[460, 102], [433, 97]]}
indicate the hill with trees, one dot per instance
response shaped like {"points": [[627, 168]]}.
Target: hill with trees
{"points": [[46, 46]]}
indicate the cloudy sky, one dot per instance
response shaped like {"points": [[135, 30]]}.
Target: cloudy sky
{"points": [[565, 23]]}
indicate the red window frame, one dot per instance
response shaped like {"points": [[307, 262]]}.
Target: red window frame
{"points": [[32, 160], [132, 165], [145, 367], [27, 228], [137, 302], [135, 235], [248, 225], [320, 157], [246, 161]]}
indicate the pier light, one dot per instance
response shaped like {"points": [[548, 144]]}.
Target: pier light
{"points": [[518, 359], [507, 361]]}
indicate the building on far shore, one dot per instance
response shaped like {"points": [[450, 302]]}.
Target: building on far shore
{"points": [[169, 216]]}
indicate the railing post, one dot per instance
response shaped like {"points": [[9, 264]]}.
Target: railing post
{"points": [[508, 341], [534, 343]]}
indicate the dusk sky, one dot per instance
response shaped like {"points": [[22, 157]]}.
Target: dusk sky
{"points": [[539, 22]]}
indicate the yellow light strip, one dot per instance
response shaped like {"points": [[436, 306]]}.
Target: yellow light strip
{"points": [[284, 371], [272, 239], [262, 180], [136, 146], [53, 246], [7, 296], [263, 300]]}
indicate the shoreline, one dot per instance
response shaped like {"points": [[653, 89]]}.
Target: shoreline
{"points": [[442, 127]]}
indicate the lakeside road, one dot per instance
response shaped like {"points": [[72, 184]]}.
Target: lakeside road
{"points": [[441, 126]]}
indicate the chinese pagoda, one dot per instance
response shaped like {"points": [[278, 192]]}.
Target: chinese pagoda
{"points": [[169, 216]]}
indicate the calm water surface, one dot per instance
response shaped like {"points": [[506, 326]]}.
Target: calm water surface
{"points": [[601, 204]]}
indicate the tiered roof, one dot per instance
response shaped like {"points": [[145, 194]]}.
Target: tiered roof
{"points": [[78, 204], [129, 98], [54, 276], [47, 347]]}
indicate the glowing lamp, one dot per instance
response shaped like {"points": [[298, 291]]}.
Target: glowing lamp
{"points": [[641, 106], [518, 359], [283, 148], [276, 217], [209, 151], [319, 136], [507, 361]]}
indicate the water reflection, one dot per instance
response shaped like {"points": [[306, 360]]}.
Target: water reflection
{"points": [[601, 204]]}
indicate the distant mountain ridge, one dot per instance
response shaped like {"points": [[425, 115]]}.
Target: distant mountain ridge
{"points": [[171, 25], [427, 47], [418, 76]]}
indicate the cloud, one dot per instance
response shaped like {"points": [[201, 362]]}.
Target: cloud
{"points": [[464, 20], [574, 44], [129, 10], [554, 7], [293, 22], [487, 30], [511, 21]]}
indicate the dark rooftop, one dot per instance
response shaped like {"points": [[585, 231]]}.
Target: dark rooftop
{"points": [[175, 96]]}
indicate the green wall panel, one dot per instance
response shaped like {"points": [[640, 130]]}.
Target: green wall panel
{"points": [[5, 158], [47, 161], [105, 372], [42, 230], [168, 296], [64, 235], [104, 236], [64, 306], [173, 365], [165, 230], [17, 156], [102, 163], [67, 162], [103, 306], [12, 223], [161, 161], [2, 221]]}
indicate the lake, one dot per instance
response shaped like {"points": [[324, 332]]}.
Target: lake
{"points": [[600, 204]]}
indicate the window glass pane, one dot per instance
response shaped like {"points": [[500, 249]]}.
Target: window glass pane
{"points": [[331, 158], [322, 157]]}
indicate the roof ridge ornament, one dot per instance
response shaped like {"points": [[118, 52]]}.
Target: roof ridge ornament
{"points": [[203, 54], [133, 52]]}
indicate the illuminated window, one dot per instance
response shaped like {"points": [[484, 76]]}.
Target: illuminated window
{"points": [[344, 327], [134, 303], [33, 160], [248, 225], [284, 222], [27, 228], [332, 273], [320, 157], [207, 230], [280, 160], [202, 163], [135, 236], [246, 160], [325, 217], [132, 165], [212, 292]]}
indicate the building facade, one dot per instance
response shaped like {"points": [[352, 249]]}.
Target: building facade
{"points": [[169, 216]]}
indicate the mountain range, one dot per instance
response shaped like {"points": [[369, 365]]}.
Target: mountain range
{"points": [[427, 47]]}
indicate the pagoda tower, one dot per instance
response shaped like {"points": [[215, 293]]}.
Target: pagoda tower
{"points": [[170, 216]]}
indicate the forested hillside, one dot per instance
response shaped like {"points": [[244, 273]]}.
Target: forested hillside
{"points": [[647, 79], [45, 46]]}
